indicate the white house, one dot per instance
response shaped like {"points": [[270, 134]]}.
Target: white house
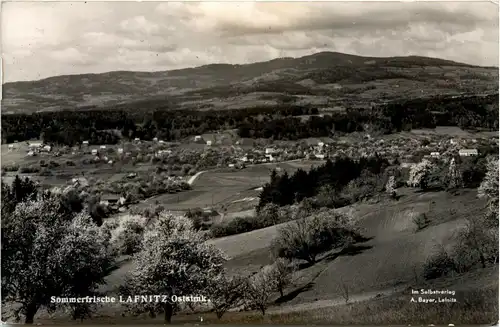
{"points": [[468, 152], [155, 139], [197, 138], [120, 150], [270, 150], [103, 147], [320, 156], [137, 139], [94, 152], [269, 157], [209, 143], [85, 143], [434, 154], [110, 162], [453, 142], [244, 159], [231, 165], [161, 141], [321, 144], [35, 145], [11, 147], [31, 153]]}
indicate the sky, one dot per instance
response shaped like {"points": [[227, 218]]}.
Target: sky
{"points": [[43, 39]]}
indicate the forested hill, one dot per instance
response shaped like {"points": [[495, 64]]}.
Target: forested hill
{"points": [[326, 79]]}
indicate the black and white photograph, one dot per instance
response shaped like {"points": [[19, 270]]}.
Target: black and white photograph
{"points": [[250, 163]]}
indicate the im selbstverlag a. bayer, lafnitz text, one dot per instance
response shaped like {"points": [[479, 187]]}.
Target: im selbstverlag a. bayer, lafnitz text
{"points": [[131, 299]]}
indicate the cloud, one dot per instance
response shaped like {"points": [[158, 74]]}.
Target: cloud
{"points": [[48, 38]]}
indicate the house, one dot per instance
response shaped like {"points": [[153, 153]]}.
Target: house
{"points": [[155, 139], [103, 147], [270, 157], [47, 148], [85, 143], [435, 154], [197, 138], [31, 154], [244, 159], [94, 152], [468, 152], [453, 142], [11, 147], [110, 199], [137, 139], [231, 165], [161, 141], [319, 156], [209, 143], [321, 144], [35, 145], [270, 150], [120, 150]]}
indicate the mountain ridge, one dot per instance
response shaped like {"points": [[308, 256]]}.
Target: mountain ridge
{"points": [[306, 75]]}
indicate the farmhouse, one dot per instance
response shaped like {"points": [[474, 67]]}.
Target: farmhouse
{"points": [[47, 148], [231, 165], [434, 154], [197, 138], [209, 143], [137, 139], [85, 143], [270, 150], [155, 139], [103, 147], [468, 152], [11, 146], [94, 152], [120, 150]]}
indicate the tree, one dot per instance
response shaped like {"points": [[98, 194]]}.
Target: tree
{"points": [[390, 187], [281, 275], [307, 237], [46, 254], [454, 175], [174, 260], [226, 293], [259, 289], [419, 174], [489, 185]]}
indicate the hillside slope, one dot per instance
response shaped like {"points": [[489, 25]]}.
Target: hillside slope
{"points": [[323, 79]]}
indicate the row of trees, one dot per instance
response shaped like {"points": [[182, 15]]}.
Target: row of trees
{"points": [[106, 126], [279, 122]]}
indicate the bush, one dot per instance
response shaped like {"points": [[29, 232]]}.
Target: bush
{"points": [[421, 221], [269, 215], [29, 170], [439, 265], [11, 168], [306, 238], [127, 236]]}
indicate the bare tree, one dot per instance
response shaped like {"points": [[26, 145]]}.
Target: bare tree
{"points": [[226, 293], [259, 289], [345, 290], [281, 274]]}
